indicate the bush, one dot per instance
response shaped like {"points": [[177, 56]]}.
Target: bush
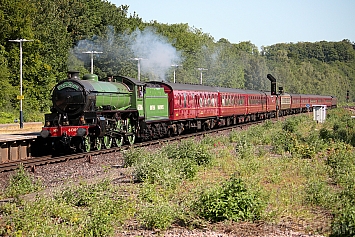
{"points": [[133, 156], [103, 209], [291, 124], [190, 149], [341, 160], [7, 117], [157, 215], [87, 210], [186, 167], [344, 222], [319, 193], [231, 201], [283, 142], [157, 169], [84, 194], [22, 183]]}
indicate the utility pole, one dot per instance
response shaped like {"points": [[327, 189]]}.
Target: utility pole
{"points": [[21, 97], [201, 69], [92, 59]]}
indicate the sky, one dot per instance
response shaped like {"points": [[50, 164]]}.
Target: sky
{"points": [[262, 22]]}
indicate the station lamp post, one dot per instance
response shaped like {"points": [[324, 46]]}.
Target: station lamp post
{"points": [[139, 67], [92, 59], [175, 67], [21, 97], [201, 69]]}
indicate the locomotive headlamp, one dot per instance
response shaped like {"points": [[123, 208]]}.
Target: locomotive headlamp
{"points": [[48, 123], [81, 132], [82, 120], [65, 120], [44, 133]]}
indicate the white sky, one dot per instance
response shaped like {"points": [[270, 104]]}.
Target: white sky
{"points": [[262, 22]]}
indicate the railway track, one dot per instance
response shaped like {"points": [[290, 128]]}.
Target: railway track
{"points": [[32, 162]]}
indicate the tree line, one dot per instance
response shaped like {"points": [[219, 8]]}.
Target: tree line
{"points": [[62, 30]]}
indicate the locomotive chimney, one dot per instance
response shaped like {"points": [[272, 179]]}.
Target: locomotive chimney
{"points": [[73, 75], [273, 83]]}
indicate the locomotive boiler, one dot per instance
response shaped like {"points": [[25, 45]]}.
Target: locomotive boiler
{"points": [[74, 97]]}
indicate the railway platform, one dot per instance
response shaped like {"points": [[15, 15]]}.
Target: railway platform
{"points": [[16, 143]]}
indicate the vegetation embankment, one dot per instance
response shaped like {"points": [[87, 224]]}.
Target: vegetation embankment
{"points": [[296, 173]]}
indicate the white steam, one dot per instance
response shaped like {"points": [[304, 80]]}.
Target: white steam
{"points": [[156, 52]]}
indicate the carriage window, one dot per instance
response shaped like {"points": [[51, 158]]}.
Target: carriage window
{"points": [[185, 100]]}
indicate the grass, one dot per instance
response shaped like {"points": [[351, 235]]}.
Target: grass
{"points": [[295, 173]]}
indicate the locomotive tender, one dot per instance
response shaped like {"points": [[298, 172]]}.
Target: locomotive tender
{"points": [[90, 114]]}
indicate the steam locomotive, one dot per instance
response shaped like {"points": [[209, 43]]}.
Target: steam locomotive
{"points": [[89, 114]]}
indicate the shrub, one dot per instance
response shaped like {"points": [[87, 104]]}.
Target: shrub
{"points": [[187, 168], [22, 183], [291, 124], [102, 217], [7, 117], [159, 215], [319, 193], [341, 160], [231, 201], [189, 149], [244, 149], [133, 156], [157, 169], [283, 142], [84, 194], [344, 222]]}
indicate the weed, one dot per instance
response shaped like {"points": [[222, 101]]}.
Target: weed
{"points": [[231, 201], [189, 149], [22, 183], [344, 222], [159, 215], [133, 156]]}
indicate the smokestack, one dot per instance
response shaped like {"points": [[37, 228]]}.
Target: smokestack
{"points": [[73, 75], [273, 84]]}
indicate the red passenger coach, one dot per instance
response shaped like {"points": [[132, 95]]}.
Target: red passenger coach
{"points": [[256, 103], [232, 102], [271, 104], [190, 101], [296, 103]]}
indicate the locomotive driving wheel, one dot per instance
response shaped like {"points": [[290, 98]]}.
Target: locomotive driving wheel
{"points": [[87, 144], [131, 129], [107, 142], [98, 143], [118, 139]]}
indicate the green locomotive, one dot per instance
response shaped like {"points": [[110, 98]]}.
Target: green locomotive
{"points": [[90, 114]]}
